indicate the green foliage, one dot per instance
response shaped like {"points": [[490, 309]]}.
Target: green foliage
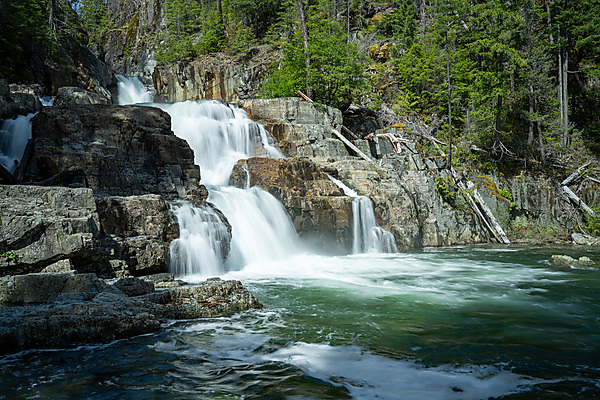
{"points": [[23, 31], [11, 256], [94, 14], [445, 186], [335, 73], [592, 222]]}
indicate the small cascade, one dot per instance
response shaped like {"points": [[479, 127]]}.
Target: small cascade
{"points": [[203, 239], [47, 101], [367, 235], [220, 136], [262, 230], [14, 135], [133, 91]]}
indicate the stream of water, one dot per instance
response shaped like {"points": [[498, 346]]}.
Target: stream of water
{"points": [[459, 323], [473, 322]]}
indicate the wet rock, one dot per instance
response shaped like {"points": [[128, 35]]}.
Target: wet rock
{"points": [[132, 286], [17, 100], [122, 151], [585, 240], [71, 95], [62, 310], [567, 261]]}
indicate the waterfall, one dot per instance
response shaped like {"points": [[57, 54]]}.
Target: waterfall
{"points": [[220, 136], [133, 91], [367, 235], [14, 135], [262, 228], [203, 239]]}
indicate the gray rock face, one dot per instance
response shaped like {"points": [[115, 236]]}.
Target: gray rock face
{"points": [[585, 240], [143, 227], [128, 48], [75, 231], [18, 100], [211, 77], [62, 310], [70, 95], [41, 225], [122, 150]]}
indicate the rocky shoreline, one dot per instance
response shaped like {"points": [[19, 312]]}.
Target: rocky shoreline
{"points": [[57, 310]]}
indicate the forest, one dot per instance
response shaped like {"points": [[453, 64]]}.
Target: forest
{"points": [[511, 81]]}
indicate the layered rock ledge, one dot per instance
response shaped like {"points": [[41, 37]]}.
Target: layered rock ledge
{"points": [[63, 310]]}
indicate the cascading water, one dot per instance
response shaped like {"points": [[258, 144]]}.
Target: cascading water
{"points": [[367, 236], [14, 135], [221, 135], [133, 91], [203, 239]]}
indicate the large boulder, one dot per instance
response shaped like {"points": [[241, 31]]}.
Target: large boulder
{"points": [[142, 227], [319, 210], [122, 151], [41, 225]]}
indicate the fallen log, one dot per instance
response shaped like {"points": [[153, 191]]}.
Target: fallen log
{"points": [[575, 199], [351, 145], [574, 175]]}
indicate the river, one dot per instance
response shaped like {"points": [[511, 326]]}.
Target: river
{"points": [[454, 323]]}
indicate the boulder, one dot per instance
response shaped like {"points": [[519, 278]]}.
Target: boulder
{"points": [[585, 240], [567, 261], [70, 95], [122, 151], [21, 101], [64, 310], [132, 286], [42, 225]]}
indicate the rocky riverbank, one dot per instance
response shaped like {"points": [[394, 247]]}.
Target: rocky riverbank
{"points": [[66, 309]]}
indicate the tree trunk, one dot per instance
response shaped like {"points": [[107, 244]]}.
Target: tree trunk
{"points": [[449, 105], [565, 98], [300, 6], [531, 110], [52, 19]]}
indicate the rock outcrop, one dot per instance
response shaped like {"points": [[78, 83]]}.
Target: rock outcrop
{"points": [[122, 151], [128, 49], [58, 229], [18, 100], [64, 310], [403, 187], [319, 210], [212, 77]]}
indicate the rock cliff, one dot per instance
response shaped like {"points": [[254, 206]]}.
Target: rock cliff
{"points": [[122, 151]]}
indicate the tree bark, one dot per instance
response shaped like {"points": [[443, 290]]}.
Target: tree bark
{"points": [[300, 7], [449, 105]]}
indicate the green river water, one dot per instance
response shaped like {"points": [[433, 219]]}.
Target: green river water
{"points": [[473, 322]]}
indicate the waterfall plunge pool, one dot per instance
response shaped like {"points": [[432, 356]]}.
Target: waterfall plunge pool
{"points": [[472, 322]]}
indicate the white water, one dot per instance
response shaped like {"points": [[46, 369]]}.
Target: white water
{"points": [[133, 91], [14, 134], [220, 135], [367, 235], [202, 237], [262, 230], [47, 101]]}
